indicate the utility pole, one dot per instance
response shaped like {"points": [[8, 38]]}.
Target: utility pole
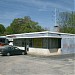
{"points": [[55, 17], [56, 27]]}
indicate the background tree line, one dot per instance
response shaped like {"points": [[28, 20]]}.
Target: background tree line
{"points": [[21, 25], [66, 23]]}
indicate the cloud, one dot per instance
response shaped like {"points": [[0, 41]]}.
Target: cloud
{"points": [[8, 15], [45, 5], [11, 9]]}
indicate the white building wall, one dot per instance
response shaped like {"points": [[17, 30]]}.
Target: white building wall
{"points": [[41, 51], [68, 44]]}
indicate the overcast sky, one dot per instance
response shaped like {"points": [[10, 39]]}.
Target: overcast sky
{"points": [[41, 11]]}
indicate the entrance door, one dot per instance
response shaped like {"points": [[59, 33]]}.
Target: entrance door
{"points": [[26, 45]]}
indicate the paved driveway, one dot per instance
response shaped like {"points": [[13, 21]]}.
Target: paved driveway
{"points": [[37, 65]]}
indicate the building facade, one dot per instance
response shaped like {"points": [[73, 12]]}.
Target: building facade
{"points": [[45, 43]]}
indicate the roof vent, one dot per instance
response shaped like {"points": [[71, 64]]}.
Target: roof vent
{"points": [[56, 28]]}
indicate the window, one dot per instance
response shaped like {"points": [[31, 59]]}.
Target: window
{"points": [[17, 42], [2, 40], [37, 43], [54, 43]]}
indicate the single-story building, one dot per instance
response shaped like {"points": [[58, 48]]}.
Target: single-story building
{"points": [[45, 43], [3, 41]]}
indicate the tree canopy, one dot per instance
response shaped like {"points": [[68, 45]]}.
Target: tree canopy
{"points": [[66, 22], [23, 25], [2, 29]]}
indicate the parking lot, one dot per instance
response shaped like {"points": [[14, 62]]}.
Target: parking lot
{"points": [[37, 65]]}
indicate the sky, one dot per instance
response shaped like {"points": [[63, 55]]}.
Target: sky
{"points": [[41, 11]]}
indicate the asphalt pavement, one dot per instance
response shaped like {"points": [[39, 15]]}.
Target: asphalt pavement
{"points": [[37, 65]]}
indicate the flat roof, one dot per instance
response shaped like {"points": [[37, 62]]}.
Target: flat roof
{"points": [[39, 35], [42, 32], [2, 36]]}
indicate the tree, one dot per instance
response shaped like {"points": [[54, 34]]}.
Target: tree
{"points": [[66, 22], [9, 30], [2, 29], [23, 25]]}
